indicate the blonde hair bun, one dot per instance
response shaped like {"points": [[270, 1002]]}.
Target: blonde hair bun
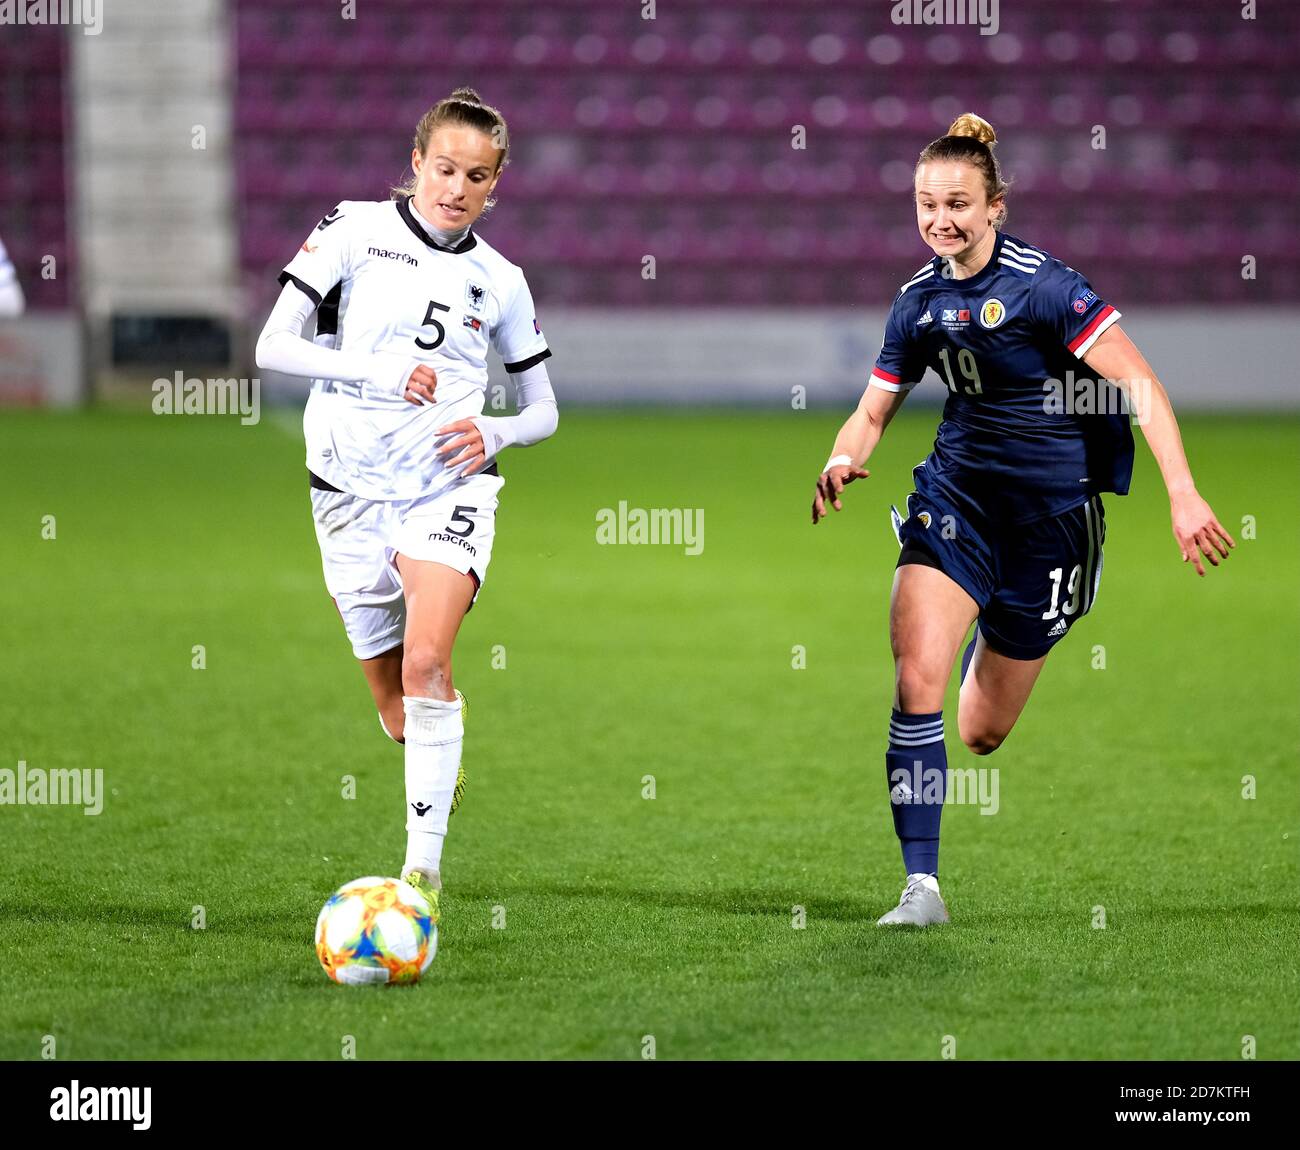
{"points": [[969, 124]]}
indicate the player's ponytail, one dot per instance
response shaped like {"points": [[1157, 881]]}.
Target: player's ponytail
{"points": [[465, 107], [970, 140]]}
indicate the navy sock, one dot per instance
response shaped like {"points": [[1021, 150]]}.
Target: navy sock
{"points": [[916, 766], [966, 657]]}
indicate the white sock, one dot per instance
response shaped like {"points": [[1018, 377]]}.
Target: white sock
{"points": [[434, 733]]}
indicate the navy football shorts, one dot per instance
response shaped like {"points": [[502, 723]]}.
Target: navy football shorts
{"points": [[1031, 580]]}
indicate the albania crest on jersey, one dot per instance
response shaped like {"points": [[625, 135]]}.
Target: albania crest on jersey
{"points": [[475, 296], [992, 313]]}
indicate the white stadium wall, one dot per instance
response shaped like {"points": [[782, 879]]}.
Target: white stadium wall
{"points": [[1227, 359], [41, 360], [1211, 359], [1239, 359]]}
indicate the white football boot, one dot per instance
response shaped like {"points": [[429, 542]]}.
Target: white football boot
{"points": [[921, 904]]}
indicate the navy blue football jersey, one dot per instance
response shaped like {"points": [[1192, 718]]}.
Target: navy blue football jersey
{"points": [[1012, 444]]}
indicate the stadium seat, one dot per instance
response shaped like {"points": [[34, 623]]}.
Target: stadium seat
{"points": [[677, 132]]}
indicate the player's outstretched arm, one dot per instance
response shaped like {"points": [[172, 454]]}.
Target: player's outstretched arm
{"points": [[853, 446], [1115, 357]]}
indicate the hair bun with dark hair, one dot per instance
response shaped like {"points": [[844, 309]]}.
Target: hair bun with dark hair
{"points": [[969, 124], [466, 96]]}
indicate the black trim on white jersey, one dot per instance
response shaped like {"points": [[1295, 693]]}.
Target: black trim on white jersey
{"points": [[327, 313], [531, 361], [317, 483], [404, 210], [310, 292]]}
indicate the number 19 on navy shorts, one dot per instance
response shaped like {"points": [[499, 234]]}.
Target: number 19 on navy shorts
{"points": [[1030, 580]]}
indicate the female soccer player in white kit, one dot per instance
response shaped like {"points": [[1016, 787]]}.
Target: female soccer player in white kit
{"points": [[402, 462], [1006, 524]]}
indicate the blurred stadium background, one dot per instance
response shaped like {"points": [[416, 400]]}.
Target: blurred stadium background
{"points": [[158, 174]]}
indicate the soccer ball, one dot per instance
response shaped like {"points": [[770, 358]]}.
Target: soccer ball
{"points": [[375, 930]]}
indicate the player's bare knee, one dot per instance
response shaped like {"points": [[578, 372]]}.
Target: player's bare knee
{"points": [[426, 670], [982, 741], [920, 687]]}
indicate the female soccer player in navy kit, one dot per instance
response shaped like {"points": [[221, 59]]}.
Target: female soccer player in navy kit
{"points": [[1006, 524], [402, 462]]}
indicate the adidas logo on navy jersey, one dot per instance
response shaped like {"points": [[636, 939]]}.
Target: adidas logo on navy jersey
{"points": [[927, 318], [1058, 628]]}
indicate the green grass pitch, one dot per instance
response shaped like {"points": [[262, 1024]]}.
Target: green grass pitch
{"points": [[627, 917]]}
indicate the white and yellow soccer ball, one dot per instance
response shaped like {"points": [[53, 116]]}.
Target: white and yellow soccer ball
{"points": [[376, 930]]}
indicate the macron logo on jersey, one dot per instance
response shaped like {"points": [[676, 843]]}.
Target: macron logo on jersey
{"points": [[385, 254]]}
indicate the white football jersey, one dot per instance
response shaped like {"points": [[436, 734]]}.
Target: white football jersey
{"points": [[381, 285]]}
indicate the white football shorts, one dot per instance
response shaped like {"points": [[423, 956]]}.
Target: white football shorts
{"points": [[360, 540]]}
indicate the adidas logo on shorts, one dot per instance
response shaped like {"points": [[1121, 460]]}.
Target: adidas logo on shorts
{"points": [[1058, 628]]}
